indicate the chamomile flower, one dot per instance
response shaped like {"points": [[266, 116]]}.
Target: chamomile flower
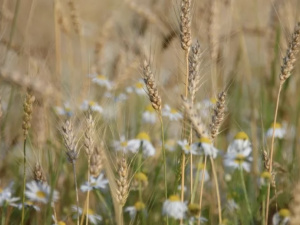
{"points": [[201, 169], [174, 208], [149, 115], [279, 131], [6, 196], [139, 88], [282, 217], [186, 147], [29, 204], [91, 105], [121, 145], [171, 113], [231, 205], [142, 140], [194, 220], [137, 207], [65, 110], [40, 192], [93, 217], [265, 178], [239, 160], [95, 183], [102, 81], [170, 145], [140, 180], [204, 146], [240, 144], [194, 210]]}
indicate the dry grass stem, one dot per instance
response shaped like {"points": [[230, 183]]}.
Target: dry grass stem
{"points": [[213, 30], [295, 206], [89, 136], [70, 142], [185, 25], [96, 162], [75, 17], [27, 107], [38, 174]]}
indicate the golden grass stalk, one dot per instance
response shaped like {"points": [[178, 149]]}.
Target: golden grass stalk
{"points": [[72, 154], [27, 109], [38, 174], [74, 17], [89, 148], [295, 206], [213, 30], [286, 69], [153, 95], [218, 115], [96, 162]]}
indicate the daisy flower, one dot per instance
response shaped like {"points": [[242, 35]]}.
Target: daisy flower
{"points": [[174, 208], [6, 196], [205, 146], [40, 192], [139, 88], [171, 113], [170, 145], [93, 217], [240, 144], [282, 217], [101, 81], [91, 105], [142, 140], [279, 131], [186, 147], [95, 183], [139, 180], [121, 145], [149, 116], [265, 178], [65, 110], [137, 207], [194, 210], [29, 204], [231, 205], [239, 160], [201, 169]]}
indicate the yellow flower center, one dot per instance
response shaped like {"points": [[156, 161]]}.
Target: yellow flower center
{"points": [[194, 209], [241, 135], [200, 166], [205, 140], [139, 85], [139, 206], [239, 158], [93, 184], [149, 108], [143, 136], [187, 147], [266, 175], [284, 213], [89, 212], [30, 203], [141, 176], [92, 103], [213, 100], [124, 144], [41, 194], [101, 77], [277, 125], [173, 111], [174, 198], [61, 223]]}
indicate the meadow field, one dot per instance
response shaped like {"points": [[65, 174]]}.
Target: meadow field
{"points": [[150, 112]]}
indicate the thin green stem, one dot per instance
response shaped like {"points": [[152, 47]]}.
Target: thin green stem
{"points": [[24, 183], [101, 198], [272, 151], [88, 193], [76, 190], [245, 192], [3, 216], [201, 188], [217, 189]]}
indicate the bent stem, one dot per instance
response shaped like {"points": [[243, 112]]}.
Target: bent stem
{"points": [[24, 183], [272, 151], [245, 192], [76, 190], [201, 189], [217, 188]]}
